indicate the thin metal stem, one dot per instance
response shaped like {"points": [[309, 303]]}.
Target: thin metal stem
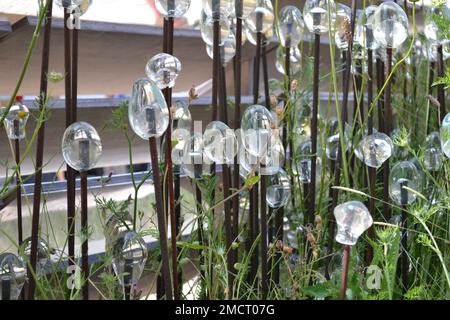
{"points": [[345, 264], [85, 231]]}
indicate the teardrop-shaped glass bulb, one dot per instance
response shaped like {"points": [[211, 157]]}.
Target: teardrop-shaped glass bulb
{"points": [[404, 174], [432, 157], [256, 129], [445, 135], [390, 25], [317, 13], [16, 120], [147, 110], [290, 26], [116, 225], [181, 116], [433, 15], [13, 274], [194, 164], [219, 143], [129, 257], [262, 17], [364, 29], [81, 146], [302, 162], [43, 254], [343, 25], [218, 8], [207, 30], [227, 50], [172, 8], [352, 218], [75, 6], [278, 189], [163, 69], [295, 61], [375, 149]]}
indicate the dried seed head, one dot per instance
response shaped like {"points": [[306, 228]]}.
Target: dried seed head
{"points": [[273, 101], [348, 30], [192, 94], [294, 85]]}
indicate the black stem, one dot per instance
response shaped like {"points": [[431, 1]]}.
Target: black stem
{"points": [[85, 232]]}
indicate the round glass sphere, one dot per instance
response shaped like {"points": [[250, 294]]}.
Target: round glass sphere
{"points": [[390, 25], [172, 8], [207, 30], [262, 17], [352, 219], [343, 22], [433, 14], [74, 6], [218, 8], [290, 26], [278, 189], [129, 257], [219, 143], [404, 174], [81, 146], [295, 61], [16, 120], [147, 110], [316, 15], [181, 116], [256, 129], [375, 149], [251, 36], [43, 254], [227, 50], [13, 274], [445, 135], [432, 157], [194, 164], [364, 29], [274, 159], [163, 69]]}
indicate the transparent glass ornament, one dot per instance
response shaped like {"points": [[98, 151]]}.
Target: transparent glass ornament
{"points": [[247, 162], [295, 61], [181, 116], [445, 135], [262, 17], [432, 157], [375, 149], [172, 8], [163, 69], [129, 257], [352, 218], [404, 174], [244, 8], [333, 144], [364, 29], [290, 26], [302, 162], [218, 8], [316, 14], [274, 159], [343, 22], [147, 110], [13, 274], [81, 146], [227, 50], [278, 189], [75, 6], [219, 143], [400, 151], [390, 25], [207, 30], [251, 36], [194, 164], [115, 226], [16, 120], [43, 254], [256, 129], [432, 15]]}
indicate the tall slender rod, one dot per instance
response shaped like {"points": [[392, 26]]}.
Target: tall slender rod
{"points": [[404, 241], [440, 88], [18, 188], [345, 264], [39, 152], [85, 230]]}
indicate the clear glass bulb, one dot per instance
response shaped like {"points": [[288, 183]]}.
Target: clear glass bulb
{"points": [[13, 274], [163, 69], [432, 157], [16, 121], [43, 254], [317, 13], [129, 257], [194, 164], [352, 218], [219, 143], [375, 149], [116, 225], [256, 129], [218, 8], [295, 61], [251, 36], [207, 30], [81, 146], [390, 25], [343, 22], [364, 29], [404, 174], [75, 6], [172, 8], [445, 135], [262, 17], [302, 162], [290, 26], [333, 145], [433, 14], [274, 159], [227, 50], [147, 110], [278, 189], [244, 8], [181, 116]]}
